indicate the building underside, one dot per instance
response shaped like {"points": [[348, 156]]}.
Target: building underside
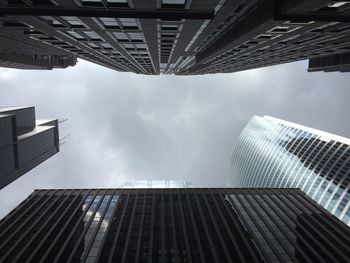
{"points": [[182, 37]]}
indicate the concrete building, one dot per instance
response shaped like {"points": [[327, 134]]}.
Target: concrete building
{"points": [[24, 142], [172, 225], [183, 37], [275, 153]]}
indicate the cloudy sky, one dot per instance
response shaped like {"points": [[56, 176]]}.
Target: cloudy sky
{"points": [[123, 127]]}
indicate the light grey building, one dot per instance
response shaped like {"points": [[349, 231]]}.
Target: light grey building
{"points": [[24, 142], [278, 154]]}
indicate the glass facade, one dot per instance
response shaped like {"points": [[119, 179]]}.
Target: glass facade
{"points": [[275, 153], [172, 225]]}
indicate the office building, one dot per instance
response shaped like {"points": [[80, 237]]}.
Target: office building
{"points": [[172, 225], [24, 142], [275, 153], [182, 37]]}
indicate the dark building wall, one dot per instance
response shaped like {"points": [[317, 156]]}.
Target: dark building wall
{"points": [[23, 144], [340, 62], [198, 37], [172, 225], [24, 118], [7, 146]]}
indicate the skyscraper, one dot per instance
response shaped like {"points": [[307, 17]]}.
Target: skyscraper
{"points": [[172, 225], [183, 37], [24, 142], [274, 153]]}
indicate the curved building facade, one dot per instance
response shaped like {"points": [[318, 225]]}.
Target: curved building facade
{"points": [[278, 154]]}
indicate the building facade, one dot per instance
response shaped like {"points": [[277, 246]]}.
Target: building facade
{"points": [[24, 142], [274, 153], [172, 225], [182, 37]]}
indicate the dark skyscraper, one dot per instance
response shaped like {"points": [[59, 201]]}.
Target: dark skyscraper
{"points": [[183, 37], [172, 225], [24, 142]]}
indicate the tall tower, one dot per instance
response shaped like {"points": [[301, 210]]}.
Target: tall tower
{"points": [[275, 153], [24, 142]]}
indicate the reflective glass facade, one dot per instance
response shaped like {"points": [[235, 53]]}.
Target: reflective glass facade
{"points": [[172, 225], [275, 153]]}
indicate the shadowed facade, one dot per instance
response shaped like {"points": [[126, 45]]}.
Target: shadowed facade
{"points": [[172, 225], [182, 37]]}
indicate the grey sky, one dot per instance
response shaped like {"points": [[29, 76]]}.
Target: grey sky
{"points": [[124, 126]]}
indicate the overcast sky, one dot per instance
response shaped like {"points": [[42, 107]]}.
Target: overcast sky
{"points": [[125, 127]]}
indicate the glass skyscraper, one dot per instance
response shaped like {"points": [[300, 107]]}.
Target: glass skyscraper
{"points": [[278, 154]]}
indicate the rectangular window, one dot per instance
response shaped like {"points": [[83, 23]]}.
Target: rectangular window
{"points": [[170, 27], [128, 23], [92, 3], [136, 36], [75, 35], [109, 22], [93, 45], [128, 46], [120, 35], [173, 3], [106, 45], [73, 21], [117, 3], [141, 46], [52, 21], [92, 35]]}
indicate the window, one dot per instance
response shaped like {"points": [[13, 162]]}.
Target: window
{"points": [[106, 45], [173, 35], [52, 21], [73, 21], [128, 23], [92, 3], [44, 2], [136, 36], [128, 46], [338, 7], [173, 3], [141, 46], [117, 3], [93, 45], [169, 27], [109, 22], [92, 35], [120, 35], [283, 29], [75, 35]]}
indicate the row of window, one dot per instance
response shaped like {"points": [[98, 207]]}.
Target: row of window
{"points": [[94, 3]]}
